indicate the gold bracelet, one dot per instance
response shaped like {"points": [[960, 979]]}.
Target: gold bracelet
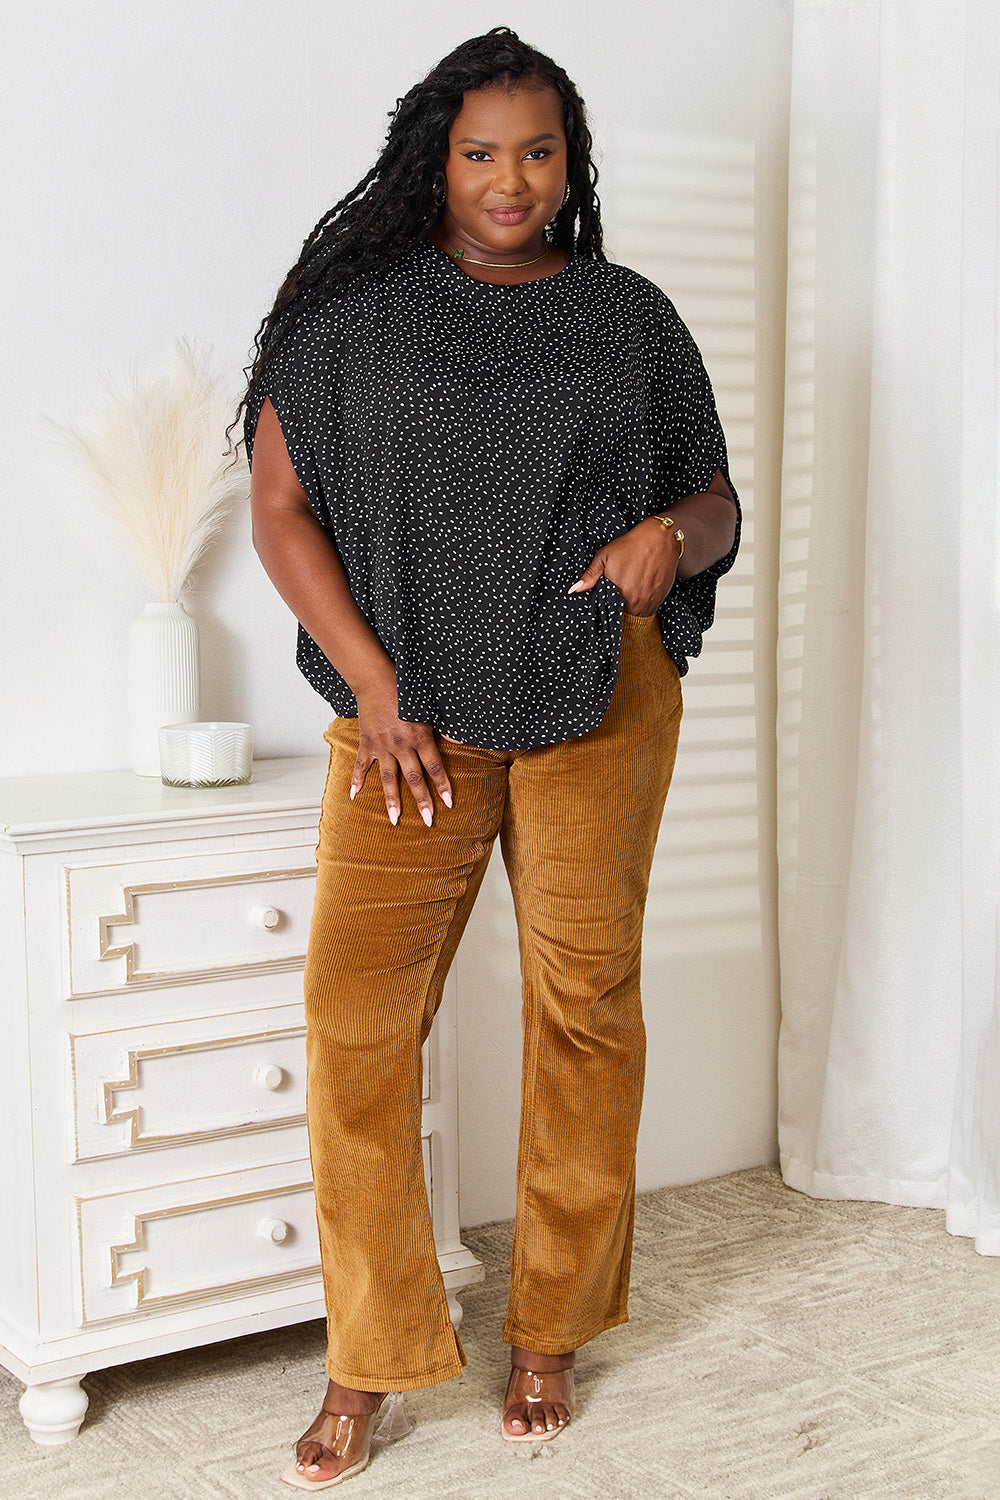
{"points": [[667, 522]]}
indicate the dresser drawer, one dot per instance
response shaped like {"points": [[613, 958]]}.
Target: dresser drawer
{"points": [[165, 921], [158, 1248], [141, 1088]]}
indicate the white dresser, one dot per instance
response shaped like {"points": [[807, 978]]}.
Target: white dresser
{"points": [[154, 1178]]}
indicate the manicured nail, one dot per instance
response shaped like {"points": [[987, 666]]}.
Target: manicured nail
{"points": [[354, 792], [446, 799], [427, 815], [576, 587], [393, 819]]}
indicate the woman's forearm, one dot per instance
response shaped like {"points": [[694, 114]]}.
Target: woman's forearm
{"points": [[709, 525], [303, 564]]}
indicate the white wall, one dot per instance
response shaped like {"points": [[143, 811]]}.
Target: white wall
{"points": [[162, 166]]}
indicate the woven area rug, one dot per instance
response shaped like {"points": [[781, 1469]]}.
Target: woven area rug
{"points": [[779, 1349]]}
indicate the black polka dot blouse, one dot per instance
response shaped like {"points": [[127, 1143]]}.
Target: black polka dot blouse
{"points": [[469, 447]]}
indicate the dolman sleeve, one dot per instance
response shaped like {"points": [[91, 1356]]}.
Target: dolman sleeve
{"points": [[285, 379], [689, 444]]}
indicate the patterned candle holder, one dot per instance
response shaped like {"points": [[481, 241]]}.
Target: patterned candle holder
{"points": [[203, 755]]}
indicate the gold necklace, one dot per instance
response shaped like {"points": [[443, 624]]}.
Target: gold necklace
{"points": [[499, 265]]}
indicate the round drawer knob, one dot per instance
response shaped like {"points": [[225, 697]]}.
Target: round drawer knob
{"points": [[267, 917], [275, 1230], [269, 1075]]}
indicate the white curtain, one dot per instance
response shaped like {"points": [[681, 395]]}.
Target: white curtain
{"points": [[889, 638]]}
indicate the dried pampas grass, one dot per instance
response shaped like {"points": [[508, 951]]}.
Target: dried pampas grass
{"points": [[153, 461]]}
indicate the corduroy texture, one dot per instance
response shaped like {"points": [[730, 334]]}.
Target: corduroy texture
{"points": [[577, 823]]}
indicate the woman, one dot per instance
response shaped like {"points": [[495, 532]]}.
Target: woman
{"points": [[489, 480]]}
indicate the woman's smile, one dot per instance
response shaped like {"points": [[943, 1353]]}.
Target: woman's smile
{"points": [[506, 169]]}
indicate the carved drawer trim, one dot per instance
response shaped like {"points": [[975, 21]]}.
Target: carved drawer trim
{"points": [[172, 919]]}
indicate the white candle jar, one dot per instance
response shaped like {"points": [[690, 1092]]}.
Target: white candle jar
{"points": [[202, 755]]}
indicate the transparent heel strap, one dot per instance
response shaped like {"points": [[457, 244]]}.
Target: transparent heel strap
{"points": [[394, 1423]]}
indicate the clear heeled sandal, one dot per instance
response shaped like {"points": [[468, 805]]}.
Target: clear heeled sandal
{"points": [[525, 1387], [349, 1438]]}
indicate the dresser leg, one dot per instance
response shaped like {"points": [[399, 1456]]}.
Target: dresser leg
{"points": [[455, 1309], [53, 1410]]}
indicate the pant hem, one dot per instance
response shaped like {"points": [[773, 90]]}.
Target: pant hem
{"points": [[546, 1344], [383, 1381]]}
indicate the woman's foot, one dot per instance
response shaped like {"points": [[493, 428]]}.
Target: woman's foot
{"points": [[338, 1443], [540, 1395]]}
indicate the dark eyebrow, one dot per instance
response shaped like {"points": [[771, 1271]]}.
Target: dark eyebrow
{"points": [[492, 145]]}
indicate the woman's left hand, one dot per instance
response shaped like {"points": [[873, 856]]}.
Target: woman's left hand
{"points": [[642, 565]]}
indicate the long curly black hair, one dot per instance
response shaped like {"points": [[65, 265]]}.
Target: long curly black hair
{"points": [[394, 203]]}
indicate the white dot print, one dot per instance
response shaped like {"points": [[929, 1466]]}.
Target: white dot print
{"points": [[469, 447]]}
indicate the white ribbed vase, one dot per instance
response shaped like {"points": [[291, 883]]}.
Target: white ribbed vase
{"points": [[162, 680]]}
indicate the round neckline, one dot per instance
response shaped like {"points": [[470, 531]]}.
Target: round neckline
{"points": [[497, 286]]}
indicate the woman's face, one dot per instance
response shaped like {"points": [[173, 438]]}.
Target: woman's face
{"points": [[506, 150]]}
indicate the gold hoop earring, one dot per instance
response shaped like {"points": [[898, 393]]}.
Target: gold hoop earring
{"points": [[566, 195], [439, 190]]}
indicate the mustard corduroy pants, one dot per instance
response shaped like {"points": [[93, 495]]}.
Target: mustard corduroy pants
{"points": [[577, 823]]}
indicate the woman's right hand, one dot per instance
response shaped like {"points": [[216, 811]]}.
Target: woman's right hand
{"points": [[402, 749]]}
